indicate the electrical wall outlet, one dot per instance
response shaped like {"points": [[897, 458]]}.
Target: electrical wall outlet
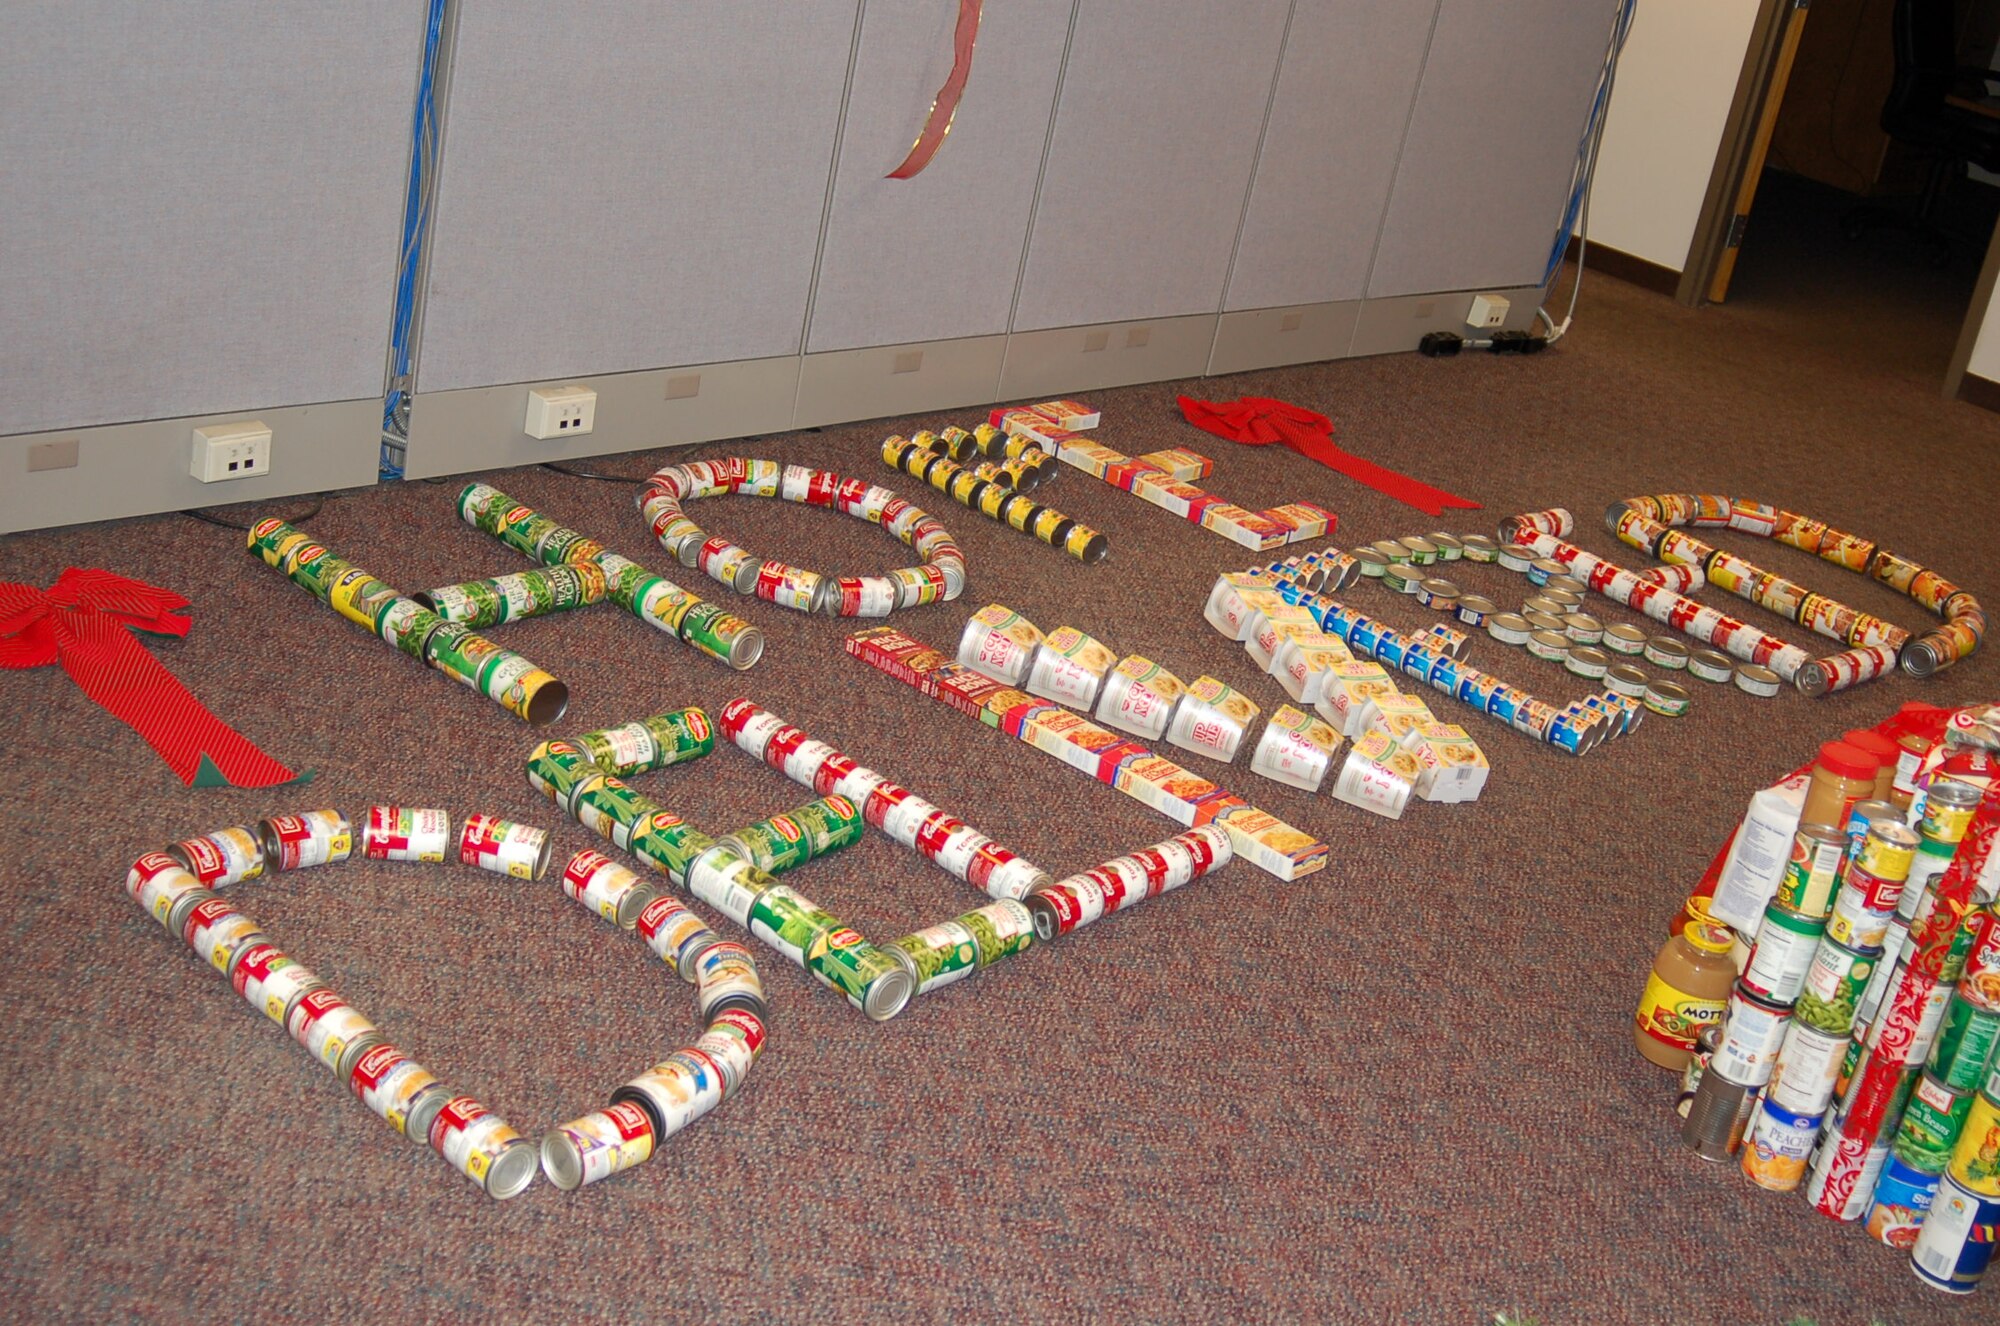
{"points": [[559, 412], [240, 450], [1488, 311]]}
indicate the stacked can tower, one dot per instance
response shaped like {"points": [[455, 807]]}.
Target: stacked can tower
{"points": [[1857, 1055], [721, 871], [652, 599], [998, 493], [509, 680], [471, 1137], [1430, 658], [941, 577], [1658, 525]]}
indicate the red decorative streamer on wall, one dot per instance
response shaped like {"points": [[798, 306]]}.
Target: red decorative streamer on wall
{"points": [[944, 107]]}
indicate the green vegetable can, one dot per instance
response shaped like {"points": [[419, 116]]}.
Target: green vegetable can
{"points": [[869, 978], [789, 922], [1932, 1121], [1965, 1044], [651, 743], [669, 844], [785, 842], [1000, 929], [1833, 986], [610, 809], [937, 955]]}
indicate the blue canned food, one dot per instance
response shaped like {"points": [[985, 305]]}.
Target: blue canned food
{"points": [[1903, 1196], [1505, 702], [1956, 1243], [1339, 620], [1568, 732], [1418, 660]]}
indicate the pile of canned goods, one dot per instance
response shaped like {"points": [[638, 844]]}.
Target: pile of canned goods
{"points": [[1277, 614], [1657, 525], [1180, 794], [507, 679], [941, 577], [998, 491], [1856, 1054], [654, 600], [177, 888]]}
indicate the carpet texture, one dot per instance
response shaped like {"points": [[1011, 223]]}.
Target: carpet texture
{"points": [[1402, 1090]]}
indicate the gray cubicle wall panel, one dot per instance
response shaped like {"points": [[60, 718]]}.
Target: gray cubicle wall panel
{"points": [[1156, 133], [1486, 164], [938, 256], [629, 184], [1345, 88], [199, 204]]}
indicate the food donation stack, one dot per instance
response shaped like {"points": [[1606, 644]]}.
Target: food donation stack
{"points": [[1831, 994]]}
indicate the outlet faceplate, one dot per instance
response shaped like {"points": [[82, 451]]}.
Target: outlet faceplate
{"points": [[559, 412], [1488, 311], [240, 450]]}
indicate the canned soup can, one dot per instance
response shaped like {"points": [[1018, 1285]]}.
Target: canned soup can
{"points": [[224, 857], [484, 1147], [397, 833], [597, 1146]]}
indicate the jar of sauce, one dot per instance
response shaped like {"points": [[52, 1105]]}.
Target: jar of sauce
{"points": [[1841, 776], [1688, 990]]}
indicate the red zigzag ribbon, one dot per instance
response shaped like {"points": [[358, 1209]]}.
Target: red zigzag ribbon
{"points": [[945, 105]]}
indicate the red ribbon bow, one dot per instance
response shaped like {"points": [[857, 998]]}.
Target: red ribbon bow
{"points": [[84, 622], [1259, 421]]}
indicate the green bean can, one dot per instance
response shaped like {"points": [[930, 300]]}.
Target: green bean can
{"points": [[669, 844], [1965, 1044], [1000, 929], [789, 922], [476, 603], [786, 842], [1833, 986], [1932, 1120], [872, 980], [407, 626], [722, 635], [557, 768], [610, 809], [651, 743], [938, 955]]}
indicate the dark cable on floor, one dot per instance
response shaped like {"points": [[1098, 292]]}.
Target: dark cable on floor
{"points": [[576, 473], [307, 514]]}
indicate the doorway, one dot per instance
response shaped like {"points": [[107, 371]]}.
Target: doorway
{"points": [[1816, 215]]}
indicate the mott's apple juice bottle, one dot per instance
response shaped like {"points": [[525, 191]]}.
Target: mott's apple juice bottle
{"points": [[1688, 990]]}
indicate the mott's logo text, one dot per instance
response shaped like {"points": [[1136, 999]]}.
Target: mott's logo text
{"points": [[1674, 1017]]}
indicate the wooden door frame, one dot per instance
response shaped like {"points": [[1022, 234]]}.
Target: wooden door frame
{"points": [[1747, 112]]}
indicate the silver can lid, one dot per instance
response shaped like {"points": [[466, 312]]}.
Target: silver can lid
{"points": [[513, 1170], [1544, 621], [1757, 679]]}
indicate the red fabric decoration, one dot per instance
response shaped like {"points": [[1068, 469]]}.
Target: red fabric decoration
{"points": [[1259, 421], [945, 105], [84, 622]]}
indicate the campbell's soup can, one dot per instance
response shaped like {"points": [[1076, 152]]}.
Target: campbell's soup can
{"points": [[158, 884], [612, 891], [517, 850], [271, 982], [218, 933], [597, 1146], [482, 1146], [393, 1085], [670, 929], [397, 833], [296, 842], [726, 978], [224, 857], [331, 1030]]}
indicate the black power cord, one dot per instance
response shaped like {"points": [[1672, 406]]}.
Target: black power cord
{"points": [[203, 516]]}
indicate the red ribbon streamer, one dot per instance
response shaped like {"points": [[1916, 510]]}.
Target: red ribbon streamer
{"points": [[945, 105], [1260, 420], [84, 622]]}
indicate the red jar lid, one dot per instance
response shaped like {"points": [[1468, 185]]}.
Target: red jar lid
{"points": [[1883, 749], [1838, 757]]}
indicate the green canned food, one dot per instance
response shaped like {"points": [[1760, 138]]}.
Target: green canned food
{"points": [[407, 626], [939, 954], [1833, 986], [1932, 1120], [474, 604], [722, 635], [872, 980], [610, 809], [1965, 1043], [651, 743], [786, 842], [558, 768], [315, 569], [483, 506], [669, 844], [1000, 929], [789, 922], [273, 540]]}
